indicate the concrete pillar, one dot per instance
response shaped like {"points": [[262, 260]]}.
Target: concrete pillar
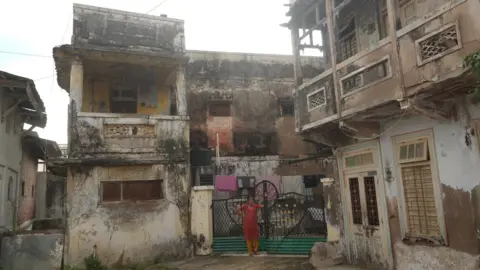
{"points": [[76, 84], [297, 63], [332, 203], [202, 223], [181, 91]]}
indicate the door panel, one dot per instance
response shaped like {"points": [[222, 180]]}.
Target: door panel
{"points": [[366, 232]]}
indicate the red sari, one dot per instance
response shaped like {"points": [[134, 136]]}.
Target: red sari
{"points": [[250, 221]]}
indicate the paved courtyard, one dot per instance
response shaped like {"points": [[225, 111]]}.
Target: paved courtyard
{"points": [[246, 263]]}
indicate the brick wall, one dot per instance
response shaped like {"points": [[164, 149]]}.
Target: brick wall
{"points": [[26, 193]]}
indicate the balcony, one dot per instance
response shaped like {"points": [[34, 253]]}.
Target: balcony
{"points": [[372, 76], [133, 137], [108, 29]]}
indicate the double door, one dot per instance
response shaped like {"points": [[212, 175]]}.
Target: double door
{"points": [[365, 219]]}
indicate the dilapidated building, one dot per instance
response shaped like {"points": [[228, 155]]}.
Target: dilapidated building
{"points": [[242, 105], [128, 137], [393, 103], [21, 104]]}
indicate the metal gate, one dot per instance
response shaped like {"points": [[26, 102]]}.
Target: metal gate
{"points": [[289, 223]]}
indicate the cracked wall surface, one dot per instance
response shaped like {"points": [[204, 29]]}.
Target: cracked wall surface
{"points": [[128, 231]]}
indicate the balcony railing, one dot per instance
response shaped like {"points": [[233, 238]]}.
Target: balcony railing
{"points": [[129, 136]]}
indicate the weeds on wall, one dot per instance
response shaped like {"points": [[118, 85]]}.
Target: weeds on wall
{"points": [[472, 62]]}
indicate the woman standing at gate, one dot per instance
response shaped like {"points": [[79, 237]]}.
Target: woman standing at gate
{"points": [[248, 212]]}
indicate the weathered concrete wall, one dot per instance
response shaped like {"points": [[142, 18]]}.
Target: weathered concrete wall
{"points": [[426, 257], [202, 220], [41, 195], [457, 155], [10, 160], [122, 30], [28, 179], [447, 65], [114, 136], [253, 84], [50, 195], [32, 251], [128, 231]]}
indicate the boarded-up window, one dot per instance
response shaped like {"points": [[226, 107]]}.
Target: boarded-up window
{"points": [[113, 191], [419, 196], [220, 109]]}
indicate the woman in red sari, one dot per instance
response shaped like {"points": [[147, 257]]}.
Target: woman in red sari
{"points": [[250, 224]]}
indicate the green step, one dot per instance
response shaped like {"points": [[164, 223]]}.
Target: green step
{"points": [[290, 246]]}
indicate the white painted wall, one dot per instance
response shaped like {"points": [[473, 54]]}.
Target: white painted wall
{"points": [[458, 166], [10, 159]]}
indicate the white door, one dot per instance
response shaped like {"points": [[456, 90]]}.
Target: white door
{"points": [[365, 220]]}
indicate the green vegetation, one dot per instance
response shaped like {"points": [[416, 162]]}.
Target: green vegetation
{"points": [[472, 62]]}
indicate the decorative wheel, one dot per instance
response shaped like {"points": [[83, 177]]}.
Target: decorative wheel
{"points": [[266, 190]]}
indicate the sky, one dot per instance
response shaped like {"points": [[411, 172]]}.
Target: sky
{"points": [[35, 27]]}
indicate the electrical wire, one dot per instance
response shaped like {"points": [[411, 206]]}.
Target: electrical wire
{"points": [[26, 54]]}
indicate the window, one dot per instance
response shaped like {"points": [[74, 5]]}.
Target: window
{"points": [[355, 201], [123, 100], [347, 42], [115, 191], [9, 123], [316, 99], [206, 179], [359, 160], [11, 189], [383, 19], [371, 201], [413, 151], [418, 189], [220, 109], [286, 108], [22, 189], [366, 76]]}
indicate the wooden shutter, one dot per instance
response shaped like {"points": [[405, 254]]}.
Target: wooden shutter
{"points": [[422, 219]]}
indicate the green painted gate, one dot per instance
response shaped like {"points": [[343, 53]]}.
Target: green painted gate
{"points": [[290, 223]]}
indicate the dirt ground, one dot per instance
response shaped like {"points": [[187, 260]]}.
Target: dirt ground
{"points": [[247, 263]]}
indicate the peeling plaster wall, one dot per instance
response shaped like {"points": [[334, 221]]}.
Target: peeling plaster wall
{"points": [[202, 220], [128, 231], [450, 64], [458, 172], [28, 175], [101, 27], [37, 251]]}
